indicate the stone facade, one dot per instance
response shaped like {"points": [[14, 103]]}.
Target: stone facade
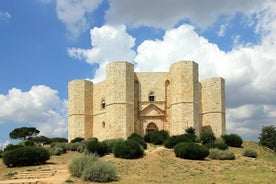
{"points": [[129, 101]]}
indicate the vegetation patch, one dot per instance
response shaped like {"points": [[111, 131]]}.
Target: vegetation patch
{"points": [[91, 168], [191, 151], [128, 149], [232, 140], [26, 156], [250, 152], [217, 154]]}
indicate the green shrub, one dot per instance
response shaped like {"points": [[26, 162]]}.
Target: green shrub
{"points": [[77, 164], [250, 152], [91, 168], [221, 146], [100, 171], [62, 145], [268, 137], [207, 137], [175, 139], [218, 154], [111, 143], [93, 146], [1, 152], [27, 143], [58, 151], [190, 132], [128, 149], [73, 146], [77, 139], [10, 147], [232, 140], [26, 156], [138, 138], [156, 137], [189, 150]]}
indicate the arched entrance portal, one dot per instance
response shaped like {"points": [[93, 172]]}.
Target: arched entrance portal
{"points": [[151, 127]]}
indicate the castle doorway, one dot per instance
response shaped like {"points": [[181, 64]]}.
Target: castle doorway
{"points": [[151, 127]]}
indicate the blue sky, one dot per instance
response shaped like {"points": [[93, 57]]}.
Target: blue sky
{"points": [[46, 43]]}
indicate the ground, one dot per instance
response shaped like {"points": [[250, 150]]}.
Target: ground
{"points": [[159, 165]]}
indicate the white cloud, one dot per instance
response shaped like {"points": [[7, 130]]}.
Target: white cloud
{"points": [[5, 16], [73, 13], [108, 44], [165, 14], [40, 106], [249, 70], [4, 144]]}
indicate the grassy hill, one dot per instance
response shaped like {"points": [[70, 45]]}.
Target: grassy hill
{"points": [[159, 165]]}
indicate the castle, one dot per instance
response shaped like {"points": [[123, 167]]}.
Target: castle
{"points": [[140, 102]]}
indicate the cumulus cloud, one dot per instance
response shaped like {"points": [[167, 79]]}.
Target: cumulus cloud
{"points": [[40, 106], [249, 70], [108, 43], [165, 14], [73, 13]]}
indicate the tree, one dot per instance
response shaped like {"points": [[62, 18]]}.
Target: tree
{"points": [[24, 133], [268, 137]]}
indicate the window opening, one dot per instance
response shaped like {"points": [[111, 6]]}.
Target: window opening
{"points": [[103, 124], [151, 97], [103, 104]]}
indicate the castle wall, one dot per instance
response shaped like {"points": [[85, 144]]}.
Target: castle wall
{"points": [[100, 128], [152, 82], [180, 101], [213, 105], [80, 109], [184, 106], [120, 99]]}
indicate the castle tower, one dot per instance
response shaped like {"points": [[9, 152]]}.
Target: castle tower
{"points": [[80, 109], [184, 97], [213, 105], [120, 99]]}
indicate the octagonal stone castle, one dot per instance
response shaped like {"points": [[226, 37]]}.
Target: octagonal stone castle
{"points": [[140, 102]]}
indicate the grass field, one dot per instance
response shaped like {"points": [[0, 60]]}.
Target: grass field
{"points": [[159, 165]]}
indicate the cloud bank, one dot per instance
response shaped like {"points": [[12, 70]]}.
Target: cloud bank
{"points": [[40, 106]]}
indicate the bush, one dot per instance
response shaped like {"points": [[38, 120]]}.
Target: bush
{"points": [[77, 139], [138, 138], [232, 140], [73, 146], [91, 168], [128, 149], [156, 137], [189, 150], [207, 137], [218, 154], [190, 132], [249, 152], [10, 147], [77, 164], [26, 156], [27, 143], [99, 171], [221, 146], [58, 151], [93, 146], [111, 143], [175, 139]]}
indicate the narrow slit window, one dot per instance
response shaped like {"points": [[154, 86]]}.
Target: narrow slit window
{"points": [[103, 104]]}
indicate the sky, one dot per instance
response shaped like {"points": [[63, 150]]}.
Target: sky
{"points": [[46, 43]]}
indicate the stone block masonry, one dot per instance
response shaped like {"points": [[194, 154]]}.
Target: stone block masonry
{"points": [[140, 102]]}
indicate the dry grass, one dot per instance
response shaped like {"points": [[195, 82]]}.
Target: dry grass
{"points": [[160, 165]]}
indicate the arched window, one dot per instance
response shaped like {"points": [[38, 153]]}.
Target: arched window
{"points": [[151, 97], [103, 124]]}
